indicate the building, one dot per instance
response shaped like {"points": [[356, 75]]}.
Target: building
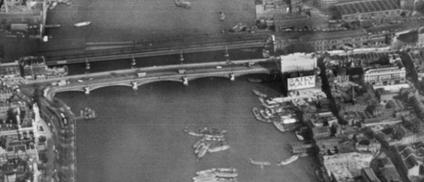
{"points": [[321, 132], [346, 166], [420, 42], [411, 158], [324, 5], [368, 175], [21, 18], [385, 75], [368, 10]]}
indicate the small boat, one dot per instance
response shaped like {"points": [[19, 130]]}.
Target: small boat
{"points": [[319, 175], [206, 180], [204, 177], [226, 175], [198, 148], [183, 4], [227, 180], [219, 148], [82, 24], [258, 116], [214, 138], [221, 16], [279, 126], [289, 160], [199, 143], [259, 94], [192, 133], [203, 151], [226, 170], [254, 80], [206, 171], [299, 136], [259, 163]]}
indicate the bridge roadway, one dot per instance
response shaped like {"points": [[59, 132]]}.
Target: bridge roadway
{"points": [[119, 54], [137, 77]]}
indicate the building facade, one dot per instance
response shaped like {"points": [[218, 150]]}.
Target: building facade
{"points": [[385, 76]]}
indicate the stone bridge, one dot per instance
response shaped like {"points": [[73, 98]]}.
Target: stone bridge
{"points": [[135, 81]]}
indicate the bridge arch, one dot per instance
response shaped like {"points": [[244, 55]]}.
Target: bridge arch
{"points": [[145, 82]]}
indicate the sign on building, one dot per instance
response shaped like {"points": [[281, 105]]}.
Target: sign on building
{"points": [[301, 82]]}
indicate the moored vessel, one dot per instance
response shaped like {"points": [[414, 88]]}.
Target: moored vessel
{"points": [[279, 126], [219, 148], [82, 24], [289, 160], [299, 136]]}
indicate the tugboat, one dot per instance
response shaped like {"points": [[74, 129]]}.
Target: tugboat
{"points": [[289, 160]]}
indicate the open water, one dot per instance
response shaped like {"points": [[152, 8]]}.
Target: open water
{"points": [[138, 135]]}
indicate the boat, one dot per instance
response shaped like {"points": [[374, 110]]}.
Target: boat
{"points": [[299, 136], [221, 16], [199, 143], [258, 116], [214, 138], [227, 180], [259, 94], [82, 24], [259, 163], [254, 80], [219, 148], [279, 126], [238, 28], [289, 160], [226, 175], [199, 147], [226, 170], [266, 114], [319, 175], [206, 171], [204, 177], [203, 151], [206, 180], [183, 4]]}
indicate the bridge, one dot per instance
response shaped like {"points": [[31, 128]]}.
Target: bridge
{"points": [[175, 73], [134, 50]]}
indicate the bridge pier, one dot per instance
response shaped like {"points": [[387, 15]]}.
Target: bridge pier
{"points": [[134, 85], [87, 90], [185, 81], [232, 77]]}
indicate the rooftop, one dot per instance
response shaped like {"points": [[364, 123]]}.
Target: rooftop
{"points": [[366, 6]]}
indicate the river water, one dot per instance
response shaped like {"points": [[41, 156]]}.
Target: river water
{"points": [[138, 135]]}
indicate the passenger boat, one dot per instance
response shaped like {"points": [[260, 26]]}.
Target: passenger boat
{"points": [[226, 170], [299, 136], [259, 94], [226, 175], [206, 171], [289, 160], [319, 175], [279, 126], [82, 24], [219, 148]]}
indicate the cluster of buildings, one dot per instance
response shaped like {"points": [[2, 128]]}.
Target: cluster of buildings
{"points": [[368, 127], [29, 68], [23, 140]]}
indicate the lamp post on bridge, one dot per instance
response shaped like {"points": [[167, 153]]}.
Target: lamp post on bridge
{"points": [[87, 65], [181, 57], [226, 55], [133, 62]]}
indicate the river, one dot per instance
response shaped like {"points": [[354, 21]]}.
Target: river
{"points": [[138, 135]]}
